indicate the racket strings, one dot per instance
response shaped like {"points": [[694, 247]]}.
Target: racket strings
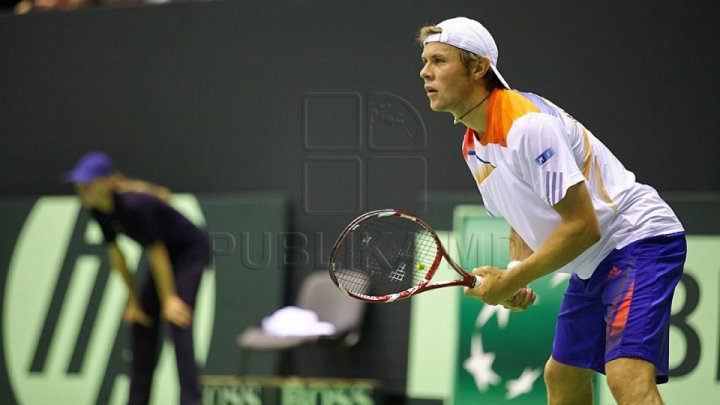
{"points": [[385, 255]]}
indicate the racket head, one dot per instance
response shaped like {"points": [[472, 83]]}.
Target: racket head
{"points": [[385, 255]]}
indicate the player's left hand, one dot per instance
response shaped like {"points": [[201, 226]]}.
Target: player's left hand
{"points": [[134, 313], [495, 287], [177, 312], [522, 299]]}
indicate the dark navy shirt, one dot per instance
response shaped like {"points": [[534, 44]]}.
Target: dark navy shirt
{"points": [[147, 219]]}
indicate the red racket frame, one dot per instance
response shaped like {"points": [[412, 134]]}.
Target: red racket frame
{"points": [[468, 280]]}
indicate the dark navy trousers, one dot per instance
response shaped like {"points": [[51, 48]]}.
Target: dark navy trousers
{"points": [[146, 342]]}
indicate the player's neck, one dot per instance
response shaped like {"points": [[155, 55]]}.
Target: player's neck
{"points": [[476, 116], [477, 120]]}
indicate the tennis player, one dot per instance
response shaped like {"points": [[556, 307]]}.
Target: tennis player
{"points": [[178, 252], [572, 207]]}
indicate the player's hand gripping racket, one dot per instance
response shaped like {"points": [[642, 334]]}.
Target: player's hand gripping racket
{"points": [[387, 255]]}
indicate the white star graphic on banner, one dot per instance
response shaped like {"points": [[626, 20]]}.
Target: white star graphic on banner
{"points": [[502, 314], [523, 384], [479, 364]]}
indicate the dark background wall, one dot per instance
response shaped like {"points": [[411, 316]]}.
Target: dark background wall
{"points": [[321, 100], [208, 97]]}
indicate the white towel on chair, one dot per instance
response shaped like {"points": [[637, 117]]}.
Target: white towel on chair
{"points": [[294, 321]]}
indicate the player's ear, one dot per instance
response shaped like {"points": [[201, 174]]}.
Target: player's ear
{"points": [[481, 68]]}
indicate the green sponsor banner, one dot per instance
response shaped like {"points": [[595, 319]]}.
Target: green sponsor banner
{"points": [[462, 351], [501, 354], [61, 335], [434, 324], [232, 390], [51, 352]]}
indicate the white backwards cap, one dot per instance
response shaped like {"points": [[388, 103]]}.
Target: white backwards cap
{"points": [[469, 35]]}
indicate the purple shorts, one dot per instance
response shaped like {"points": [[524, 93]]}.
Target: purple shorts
{"points": [[623, 309]]}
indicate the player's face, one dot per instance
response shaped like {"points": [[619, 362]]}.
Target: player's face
{"points": [[447, 83], [93, 194]]}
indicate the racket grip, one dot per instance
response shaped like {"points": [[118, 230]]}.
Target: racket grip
{"points": [[478, 281]]}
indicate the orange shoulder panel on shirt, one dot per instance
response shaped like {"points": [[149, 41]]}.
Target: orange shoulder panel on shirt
{"points": [[505, 106]]}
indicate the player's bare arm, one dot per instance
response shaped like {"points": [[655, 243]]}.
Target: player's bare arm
{"points": [[133, 311], [524, 297], [519, 250], [577, 231], [173, 308]]}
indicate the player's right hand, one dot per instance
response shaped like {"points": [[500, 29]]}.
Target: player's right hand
{"points": [[177, 312]]}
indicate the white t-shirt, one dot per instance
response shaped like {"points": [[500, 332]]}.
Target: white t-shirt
{"points": [[532, 152]]}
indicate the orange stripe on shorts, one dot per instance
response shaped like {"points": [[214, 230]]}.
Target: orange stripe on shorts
{"points": [[622, 314]]}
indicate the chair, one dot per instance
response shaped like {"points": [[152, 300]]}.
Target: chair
{"points": [[319, 294]]}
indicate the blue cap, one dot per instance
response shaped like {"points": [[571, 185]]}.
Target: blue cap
{"points": [[91, 166]]}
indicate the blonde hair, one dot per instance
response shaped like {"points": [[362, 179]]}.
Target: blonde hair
{"points": [[124, 184]]}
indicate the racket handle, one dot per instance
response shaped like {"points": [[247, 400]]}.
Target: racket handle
{"points": [[478, 280]]}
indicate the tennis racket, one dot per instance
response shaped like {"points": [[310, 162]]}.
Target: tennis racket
{"points": [[388, 255]]}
